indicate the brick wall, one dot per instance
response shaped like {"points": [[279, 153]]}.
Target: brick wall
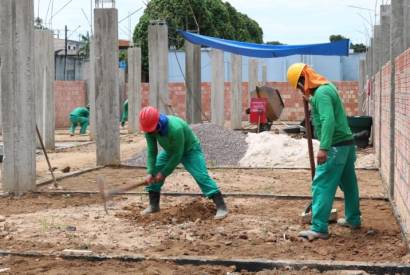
{"points": [[376, 115], [402, 137], [68, 95]]}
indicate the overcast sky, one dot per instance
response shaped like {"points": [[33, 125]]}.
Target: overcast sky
{"points": [[287, 21]]}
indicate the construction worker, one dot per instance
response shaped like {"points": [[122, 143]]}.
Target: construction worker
{"points": [[180, 145], [124, 116], [337, 153], [79, 115]]}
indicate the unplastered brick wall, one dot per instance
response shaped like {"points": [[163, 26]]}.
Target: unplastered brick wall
{"points": [[377, 90], [68, 95], [402, 137], [292, 99]]}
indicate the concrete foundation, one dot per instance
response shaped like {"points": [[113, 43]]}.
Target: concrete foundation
{"points": [[264, 74], [44, 86], [252, 76], [236, 92], [158, 66], [106, 86], [406, 18], [362, 86], [134, 88], [377, 48], [193, 82], [385, 33], [122, 91], [18, 104], [217, 88]]}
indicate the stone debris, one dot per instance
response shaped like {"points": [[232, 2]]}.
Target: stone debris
{"points": [[221, 146]]}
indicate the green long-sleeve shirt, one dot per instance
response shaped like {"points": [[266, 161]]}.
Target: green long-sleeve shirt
{"points": [[80, 112], [329, 117], [179, 139]]}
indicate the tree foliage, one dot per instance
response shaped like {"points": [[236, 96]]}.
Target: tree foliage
{"points": [[214, 18], [274, 43], [357, 48]]}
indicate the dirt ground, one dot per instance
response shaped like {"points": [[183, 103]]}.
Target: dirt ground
{"points": [[264, 181]]}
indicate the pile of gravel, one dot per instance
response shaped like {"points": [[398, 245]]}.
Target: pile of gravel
{"points": [[222, 147]]}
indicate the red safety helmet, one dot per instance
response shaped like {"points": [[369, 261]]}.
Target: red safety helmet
{"points": [[149, 117]]}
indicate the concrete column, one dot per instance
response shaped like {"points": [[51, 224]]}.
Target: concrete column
{"points": [[17, 86], [377, 49], [158, 66], [134, 88], [44, 86], [217, 88], [252, 76], [193, 99], [264, 74], [121, 88], [406, 18], [362, 81], [397, 46], [106, 86], [236, 94], [385, 33], [91, 91]]}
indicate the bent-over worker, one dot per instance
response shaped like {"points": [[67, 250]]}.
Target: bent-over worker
{"points": [[180, 145], [79, 115], [337, 153]]}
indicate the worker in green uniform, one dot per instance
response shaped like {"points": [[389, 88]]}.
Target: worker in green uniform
{"points": [[79, 115], [180, 145], [124, 116], [337, 153]]}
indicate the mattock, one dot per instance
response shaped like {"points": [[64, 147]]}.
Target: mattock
{"points": [[107, 195]]}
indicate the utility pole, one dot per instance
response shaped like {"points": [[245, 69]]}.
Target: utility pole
{"points": [[65, 52]]}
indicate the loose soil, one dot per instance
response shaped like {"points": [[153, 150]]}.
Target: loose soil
{"points": [[264, 181]]}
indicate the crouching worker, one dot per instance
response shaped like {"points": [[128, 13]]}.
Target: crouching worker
{"points": [[337, 153], [79, 116], [180, 145]]}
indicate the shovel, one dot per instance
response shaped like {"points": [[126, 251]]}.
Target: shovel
{"points": [[106, 195], [306, 215]]}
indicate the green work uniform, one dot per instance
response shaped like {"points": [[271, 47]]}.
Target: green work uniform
{"points": [[180, 145], [79, 116], [124, 116], [332, 129]]}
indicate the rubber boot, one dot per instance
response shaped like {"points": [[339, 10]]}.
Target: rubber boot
{"points": [[153, 203], [221, 210]]}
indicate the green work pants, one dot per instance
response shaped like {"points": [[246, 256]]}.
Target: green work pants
{"points": [[75, 120], [124, 117], [338, 170], [194, 163]]}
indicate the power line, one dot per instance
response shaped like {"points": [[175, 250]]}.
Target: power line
{"points": [[129, 15], [61, 9]]}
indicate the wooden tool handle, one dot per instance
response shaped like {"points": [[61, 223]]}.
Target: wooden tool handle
{"points": [[309, 137], [125, 188]]}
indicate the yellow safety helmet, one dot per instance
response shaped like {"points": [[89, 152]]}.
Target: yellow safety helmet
{"points": [[294, 72]]}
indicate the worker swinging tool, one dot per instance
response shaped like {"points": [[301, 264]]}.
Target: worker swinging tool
{"points": [[337, 152]]}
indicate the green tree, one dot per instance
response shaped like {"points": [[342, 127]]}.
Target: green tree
{"points": [[214, 18], [357, 48], [85, 48], [274, 43], [336, 37]]}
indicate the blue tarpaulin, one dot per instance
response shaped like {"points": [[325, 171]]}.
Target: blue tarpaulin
{"points": [[340, 47]]}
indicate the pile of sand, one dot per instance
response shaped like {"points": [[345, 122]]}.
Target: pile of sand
{"points": [[271, 150]]}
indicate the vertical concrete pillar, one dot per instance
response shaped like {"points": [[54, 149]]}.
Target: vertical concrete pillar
{"points": [[217, 88], [44, 86], [406, 18], [377, 49], [362, 81], [385, 33], [17, 86], [397, 46], [121, 88], [106, 86], [264, 74], [193, 100], [91, 90], [236, 93], [158, 65], [134, 88], [252, 76]]}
